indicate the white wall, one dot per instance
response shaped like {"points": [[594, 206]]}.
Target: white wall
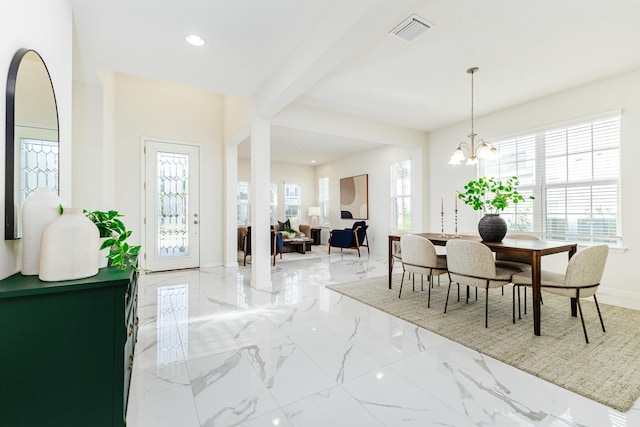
{"points": [[376, 163], [291, 174], [165, 111], [618, 285], [46, 27]]}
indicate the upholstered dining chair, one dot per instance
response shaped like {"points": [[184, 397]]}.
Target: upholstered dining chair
{"points": [[419, 257], [516, 262], [471, 263], [581, 279], [396, 250]]}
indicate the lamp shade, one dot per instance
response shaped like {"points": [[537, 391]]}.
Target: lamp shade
{"points": [[314, 211]]}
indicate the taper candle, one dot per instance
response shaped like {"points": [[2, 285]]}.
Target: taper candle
{"points": [[456, 203], [442, 206]]}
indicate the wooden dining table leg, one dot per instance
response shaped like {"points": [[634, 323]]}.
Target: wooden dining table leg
{"points": [[535, 287]]}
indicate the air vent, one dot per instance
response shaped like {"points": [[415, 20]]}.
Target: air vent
{"points": [[411, 28]]}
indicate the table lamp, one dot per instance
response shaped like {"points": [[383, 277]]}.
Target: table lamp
{"points": [[314, 213]]}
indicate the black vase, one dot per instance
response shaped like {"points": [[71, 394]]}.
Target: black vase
{"points": [[492, 228]]}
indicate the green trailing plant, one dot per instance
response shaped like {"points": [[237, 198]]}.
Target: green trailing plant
{"points": [[121, 254], [491, 195]]}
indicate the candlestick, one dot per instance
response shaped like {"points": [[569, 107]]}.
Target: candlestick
{"points": [[455, 235], [442, 224]]}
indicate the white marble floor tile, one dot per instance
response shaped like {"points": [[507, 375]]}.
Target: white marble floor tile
{"points": [[275, 418], [161, 401], [339, 358], [395, 401], [227, 390], [214, 351], [287, 371], [483, 389], [333, 407]]}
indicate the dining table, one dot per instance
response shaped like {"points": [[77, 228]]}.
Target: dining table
{"points": [[534, 249]]}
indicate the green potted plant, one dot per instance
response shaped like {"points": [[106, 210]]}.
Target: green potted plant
{"points": [[115, 235], [492, 196]]}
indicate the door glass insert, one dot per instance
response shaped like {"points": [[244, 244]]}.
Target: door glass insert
{"points": [[172, 207]]}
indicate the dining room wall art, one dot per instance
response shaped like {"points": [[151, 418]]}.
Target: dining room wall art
{"points": [[354, 197]]}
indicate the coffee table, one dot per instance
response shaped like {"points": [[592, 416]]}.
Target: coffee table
{"points": [[298, 244]]}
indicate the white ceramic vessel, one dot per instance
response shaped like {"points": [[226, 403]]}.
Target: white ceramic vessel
{"points": [[38, 211], [70, 247]]}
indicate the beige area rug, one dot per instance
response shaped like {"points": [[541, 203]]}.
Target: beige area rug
{"points": [[607, 370]]}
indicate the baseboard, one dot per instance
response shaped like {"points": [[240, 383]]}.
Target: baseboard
{"points": [[620, 298], [213, 265]]}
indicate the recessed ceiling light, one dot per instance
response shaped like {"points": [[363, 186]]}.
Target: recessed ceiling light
{"points": [[195, 40], [313, 161]]}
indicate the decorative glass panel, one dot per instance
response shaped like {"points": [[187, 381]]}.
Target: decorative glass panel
{"points": [[172, 215], [38, 166]]}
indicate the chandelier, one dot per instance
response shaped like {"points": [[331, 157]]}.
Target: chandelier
{"points": [[483, 150]]}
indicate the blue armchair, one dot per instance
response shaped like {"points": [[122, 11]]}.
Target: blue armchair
{"points": [[350, 238], [276, 245]]}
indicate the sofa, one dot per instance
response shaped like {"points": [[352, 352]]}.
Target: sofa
{"points": [[303, 229]]}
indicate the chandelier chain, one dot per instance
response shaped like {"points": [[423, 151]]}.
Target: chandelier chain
{"points": [[472, 124]]}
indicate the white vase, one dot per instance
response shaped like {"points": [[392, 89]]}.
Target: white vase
{"points": [[38, 210], [70, 247], [104, 253]]}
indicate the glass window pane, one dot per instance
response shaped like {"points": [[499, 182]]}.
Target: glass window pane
{"points": [[581, 167], [606, 164], [172, 215], [556, 170], [400, 185]]}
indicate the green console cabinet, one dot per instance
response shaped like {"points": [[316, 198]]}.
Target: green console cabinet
{"points": [[66, 349]]}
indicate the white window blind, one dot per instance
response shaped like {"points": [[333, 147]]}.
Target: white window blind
{"points": [[574, 173]]}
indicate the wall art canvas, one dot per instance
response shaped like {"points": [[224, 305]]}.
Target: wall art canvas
{"points": [[354, 197]]}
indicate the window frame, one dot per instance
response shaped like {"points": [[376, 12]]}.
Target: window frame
{"points": [[297, 205], [400, 197], [240, 202], [540, 187]]}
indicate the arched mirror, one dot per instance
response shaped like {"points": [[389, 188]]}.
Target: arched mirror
{"points": [[32, 148]]}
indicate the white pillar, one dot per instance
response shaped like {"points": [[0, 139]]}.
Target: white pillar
{"points": [[260, 179], [230, 211]]}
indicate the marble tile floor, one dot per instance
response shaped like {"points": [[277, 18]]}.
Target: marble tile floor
{"points": [[214, 351]]}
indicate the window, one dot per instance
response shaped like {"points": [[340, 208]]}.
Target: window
{"points": [[292, 201], [401, 195], [244, 212], [574, 173], [273, 203], [323, 199]]}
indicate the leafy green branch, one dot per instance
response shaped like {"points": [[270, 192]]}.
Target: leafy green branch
{"points": [[110, 226], [490, 194]]}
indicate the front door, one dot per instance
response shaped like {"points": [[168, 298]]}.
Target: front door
{"points": [[171, 206]]}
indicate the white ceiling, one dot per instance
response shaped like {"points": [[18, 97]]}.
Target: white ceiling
{"points": [[338, 56]]}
